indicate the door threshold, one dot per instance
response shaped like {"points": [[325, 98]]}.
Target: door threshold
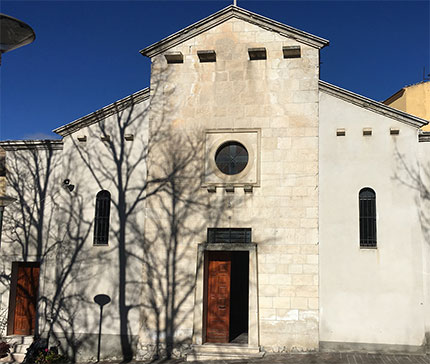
{"points": [[223, 351], [227, 344]]}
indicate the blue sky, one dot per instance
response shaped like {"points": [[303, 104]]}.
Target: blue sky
{"points": [[85, 55]]}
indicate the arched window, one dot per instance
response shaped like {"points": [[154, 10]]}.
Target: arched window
{"points": [[101, 220], [367, 205]]}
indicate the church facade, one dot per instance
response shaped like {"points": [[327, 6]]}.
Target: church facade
{"points": [[239, 205]]}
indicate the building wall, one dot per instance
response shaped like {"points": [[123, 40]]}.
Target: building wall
{"points": [[29, 227], [314, 283], [73, 270], [424, 183], [279, 97], [369, 295], [118, 166], [414, 100]]}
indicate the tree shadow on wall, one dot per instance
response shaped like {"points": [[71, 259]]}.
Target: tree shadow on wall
{"points": [[153, 168], [34, 232], [157, 218], [415, 175]]}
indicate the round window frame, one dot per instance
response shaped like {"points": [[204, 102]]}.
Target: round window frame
{"points": [[232, 178], [228, 144]]}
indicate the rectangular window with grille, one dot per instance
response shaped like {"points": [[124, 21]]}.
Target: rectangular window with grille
{"points": [[229, 235], [367, 206], [101, 221]]}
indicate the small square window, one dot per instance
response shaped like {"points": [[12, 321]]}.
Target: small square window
{"points": [[367, 132], [174, 57], [257, 53], [206, 56], [291, 52]]}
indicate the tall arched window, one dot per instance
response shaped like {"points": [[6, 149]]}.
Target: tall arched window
{"points": [[101, 220], [367, 205]]}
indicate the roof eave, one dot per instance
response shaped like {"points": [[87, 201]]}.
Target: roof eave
{"points": [[229, 12], [12, 145], [372, 105], [102, 113]]}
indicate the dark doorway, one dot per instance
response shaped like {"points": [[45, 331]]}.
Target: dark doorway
{"points": [[239, 297], [227, 289], [23, 298]]}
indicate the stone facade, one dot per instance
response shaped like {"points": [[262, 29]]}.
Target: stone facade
{"points": [[279, 97], [229, 78]]}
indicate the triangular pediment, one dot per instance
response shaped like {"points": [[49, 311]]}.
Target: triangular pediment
{"points": [[225, 14]]}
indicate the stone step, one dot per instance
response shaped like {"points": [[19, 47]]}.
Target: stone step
{"points": [[13, 358], [222, 356], [20, 348], [226, 348], [19, 339], [223, 352]]}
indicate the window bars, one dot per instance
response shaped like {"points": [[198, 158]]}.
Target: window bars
{"points": [[101, 220], [229, 235], [367, 206]]}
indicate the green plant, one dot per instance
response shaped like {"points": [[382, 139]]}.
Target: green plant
{"points": [[50, 356]]}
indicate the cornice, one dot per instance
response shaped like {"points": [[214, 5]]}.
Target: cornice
{"points": [[13, 145], [225, 14], [371, 105], [103, 113]]}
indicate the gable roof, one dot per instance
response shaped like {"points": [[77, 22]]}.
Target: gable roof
{"points": [[103, 113], [225, 14], [371, 105]]}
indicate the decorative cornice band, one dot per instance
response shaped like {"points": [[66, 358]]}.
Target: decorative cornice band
{"points": [[12, 145], [103, 113], [371, 105], [226, 14]]}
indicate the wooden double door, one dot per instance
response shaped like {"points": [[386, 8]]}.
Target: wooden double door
{"points": [[227, 295], [23, 298]]}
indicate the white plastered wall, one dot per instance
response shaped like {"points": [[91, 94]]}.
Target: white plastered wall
{"points": [[73, 270], [369, 295], [424, 180], [29, 228], [91, 166]]}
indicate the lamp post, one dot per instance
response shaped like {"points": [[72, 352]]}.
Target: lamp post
{"points": [[14, 33], [4, 201]]}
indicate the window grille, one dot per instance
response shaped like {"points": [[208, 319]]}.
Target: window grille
{"points": [[101, 220], [367, 206], [231, 158], [2, 166], [229, 235]]}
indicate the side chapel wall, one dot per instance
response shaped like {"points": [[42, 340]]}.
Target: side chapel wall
{"points": [[369, 295]]}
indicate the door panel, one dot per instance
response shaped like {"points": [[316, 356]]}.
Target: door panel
{"points": [[26, 299], [218, 300]]}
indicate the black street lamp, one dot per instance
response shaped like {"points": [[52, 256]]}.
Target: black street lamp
{"points": [[14, 33]]}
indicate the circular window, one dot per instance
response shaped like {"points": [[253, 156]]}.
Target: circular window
{"points": [[231, 158]]}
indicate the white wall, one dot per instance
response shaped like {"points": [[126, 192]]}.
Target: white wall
{"points": [[369, 295], [119, 166], [73, 270]]}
